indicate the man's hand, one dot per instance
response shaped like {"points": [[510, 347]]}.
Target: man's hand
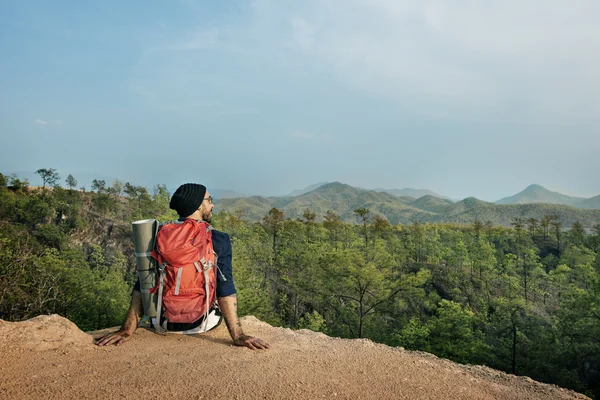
{"points": [[136, 310], [250, 342], [228, 307], [117, 338]]}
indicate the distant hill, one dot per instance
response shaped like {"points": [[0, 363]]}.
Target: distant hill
{"points": [[471, 209], [307, 189], [416, 193], [431, 203], [252, 208], [539, 194], [406, 199], [344, 199], [593, 202], [338, 197]]}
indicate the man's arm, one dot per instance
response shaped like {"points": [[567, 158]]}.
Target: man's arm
{"points": [[134, 315], [228, 307]]}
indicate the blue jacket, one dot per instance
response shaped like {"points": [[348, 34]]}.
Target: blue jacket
{"points": [[222, 246]]}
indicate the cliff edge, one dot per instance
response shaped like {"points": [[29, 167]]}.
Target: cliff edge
{"points": [[49, 357]]}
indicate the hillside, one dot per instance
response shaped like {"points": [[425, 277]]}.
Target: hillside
{"points": [[307, 189], [344, 199], [406, 199], [539, 194], [48, 357], [431, 203], [336, 196], [471, 209], [593, 202]]}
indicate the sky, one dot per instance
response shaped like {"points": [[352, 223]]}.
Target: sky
{"points": [[465, 98]]}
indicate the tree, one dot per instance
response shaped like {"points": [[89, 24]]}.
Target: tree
{"points": [[3, 180], [141, 205], [381, 227], [579, 329], [360, 286], [505, 327], [454, 334], [309, 216], [49, 176], [17, 183], [483, 258], [116, 189], [529, 263], [577, 234], [532, 224], [415, 238], [101, 198], [477, 226], [272, 221], [160, 203], [364, 214], [518, 224], [333, 224], [557, 231], [545, 223], [309, 221], [71, 182], [99, 185]]}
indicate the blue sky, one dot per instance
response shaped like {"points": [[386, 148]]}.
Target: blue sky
{"points": [[464, 98]]}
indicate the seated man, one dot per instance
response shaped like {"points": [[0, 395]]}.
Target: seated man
{"points": [[193, 201]]}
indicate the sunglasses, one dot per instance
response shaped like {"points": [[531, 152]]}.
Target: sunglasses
{"points": [[209, 198]]}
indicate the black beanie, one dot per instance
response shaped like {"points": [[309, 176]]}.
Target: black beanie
{"points": [[187, 198]]}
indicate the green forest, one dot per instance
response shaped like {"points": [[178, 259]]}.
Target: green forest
{"points": [[524, 299]]}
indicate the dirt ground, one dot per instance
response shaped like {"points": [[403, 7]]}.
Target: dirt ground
{"points": [[48, 357]]}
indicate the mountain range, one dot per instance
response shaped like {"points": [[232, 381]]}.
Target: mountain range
{"points": [[539, 194], [344, 199], [530, 195], [394, 204]]}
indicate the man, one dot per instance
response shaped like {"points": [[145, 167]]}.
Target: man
{"points": [[192, 201]]}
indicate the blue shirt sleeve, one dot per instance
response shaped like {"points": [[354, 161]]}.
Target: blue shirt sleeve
{"points": [[222, 246]]}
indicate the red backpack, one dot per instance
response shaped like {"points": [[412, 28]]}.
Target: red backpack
{"points": [[188, 281]]}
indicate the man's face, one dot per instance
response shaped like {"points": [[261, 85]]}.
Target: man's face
{"points": [[207, 207]]}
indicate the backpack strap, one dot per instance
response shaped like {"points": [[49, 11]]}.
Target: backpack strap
{"points": [[161, 285], [205, 267]]}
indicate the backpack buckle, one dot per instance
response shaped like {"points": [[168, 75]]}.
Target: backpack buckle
{"points": [[206, 265], [162, 266]]}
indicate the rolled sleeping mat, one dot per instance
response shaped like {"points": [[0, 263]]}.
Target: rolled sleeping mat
{"points": [[144, 237]]}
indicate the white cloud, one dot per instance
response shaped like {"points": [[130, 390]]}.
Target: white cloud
{"points": [[39, 121], [496, 60], [473, 59]]}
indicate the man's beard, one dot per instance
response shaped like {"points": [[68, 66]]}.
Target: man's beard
{"points": [[206, 216]]}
